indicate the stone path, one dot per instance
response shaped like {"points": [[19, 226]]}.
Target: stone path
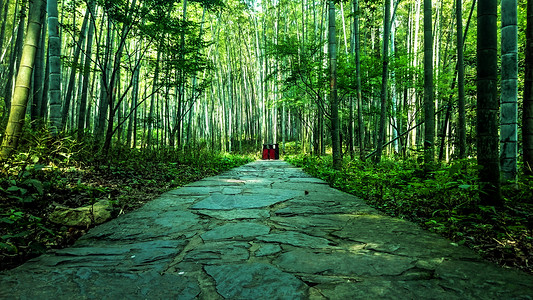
{"points": [[265, 230]]}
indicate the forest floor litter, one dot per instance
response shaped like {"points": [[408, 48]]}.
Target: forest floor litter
{"points": [[265, 230]]}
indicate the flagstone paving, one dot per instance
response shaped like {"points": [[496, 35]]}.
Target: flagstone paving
{"points": [[265, 230]]}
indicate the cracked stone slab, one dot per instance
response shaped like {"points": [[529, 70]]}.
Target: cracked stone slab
{"points": [[260, 191], [296, 239], [255, 281], [219, 252], [153, 255], [316, 224], [216, 181], [87, 283], [267, 249], [387, 289], [300, 207], [144, 225], [326, 202], [489, 279], [169, 201], [196, 190], [361, 263], [254, 181], [241, 230], [231, 191], [227, 202], [306, 180], [396, 236], [303, 186], [236, 214]]}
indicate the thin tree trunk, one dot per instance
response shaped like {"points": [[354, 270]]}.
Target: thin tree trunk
{"points": [[86, 74], [12, 68], [355, 32], [461, 126], [54, 72], [134, 103], [429, 102], [38, 74], [527, 117], [335, 136], [73, 68], [384, 83], [181, 91], [151, 119], [102, 112], [4, 6]]}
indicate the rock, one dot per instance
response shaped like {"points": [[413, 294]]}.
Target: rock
{"points": [[361, 263], [256, 281], [231, 191], [242, 230], [267, 249], [236, 214], [217, 181], [385, 289], [307, 180], [82, 216], [318, 225], [488, 279], [170, 201], [195, 191], [89, 283], [226, 202], [142, 225], [152, 255], [296, 239], [219, 252], [400, 237]]}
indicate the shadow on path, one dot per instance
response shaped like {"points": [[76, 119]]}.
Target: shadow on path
{"points": [[265, 230]]}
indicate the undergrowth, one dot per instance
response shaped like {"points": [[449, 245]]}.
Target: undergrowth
{"points": [[445, 201], [64, 171]]}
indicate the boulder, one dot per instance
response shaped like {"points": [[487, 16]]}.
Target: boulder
{"points": [[82, 216]]}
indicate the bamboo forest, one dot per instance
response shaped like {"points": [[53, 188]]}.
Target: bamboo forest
{"points": [[421, 108]]}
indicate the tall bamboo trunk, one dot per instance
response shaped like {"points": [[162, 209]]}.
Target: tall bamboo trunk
{"points": [[23, 82], [72, 80], [334, 103], [509, 90], [487, 103], [54, 76], [38, 73], [151, 118], [82, 112], [384, 83], [429, 102], [527, 117], [15, 53], [461, 126], [4, 7]]}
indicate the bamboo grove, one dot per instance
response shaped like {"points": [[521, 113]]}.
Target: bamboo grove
{"points": [[362, 78]]}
